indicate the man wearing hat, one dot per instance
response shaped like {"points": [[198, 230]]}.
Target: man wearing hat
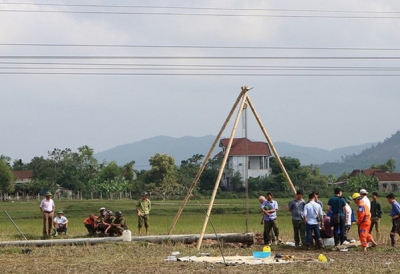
{"points": [[47, 208], [365, 199], [60, 223], [143, 207], [363, 222], [296, 207]]}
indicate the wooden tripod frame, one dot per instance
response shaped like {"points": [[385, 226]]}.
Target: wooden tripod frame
{"points": [[242, 98]]}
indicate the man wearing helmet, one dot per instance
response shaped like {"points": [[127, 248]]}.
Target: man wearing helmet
{"points": [[363, 222], [118, 225], [100, 226], [143, 207], [108, 219]]}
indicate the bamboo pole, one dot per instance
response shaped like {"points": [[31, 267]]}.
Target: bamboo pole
{"points": [[217, 182], [194, 182], [271, 145]]}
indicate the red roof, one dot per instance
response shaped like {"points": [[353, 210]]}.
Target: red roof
{"points": [[373, 171], [23, 174], [245, 147], [367, 172], [388, 176]]}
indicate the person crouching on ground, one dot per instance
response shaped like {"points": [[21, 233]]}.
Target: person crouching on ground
{"points": [[118, 225], [99, 224], [312, 212], [89, 223], [363, 222], [109, 218], [60, 223]]}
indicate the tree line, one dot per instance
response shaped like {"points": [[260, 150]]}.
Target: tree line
{"points": [[79, 171]]}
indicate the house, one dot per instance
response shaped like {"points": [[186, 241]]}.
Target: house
{"points": [[367, 172], [388, 182], [245, 156], [22, 176]]}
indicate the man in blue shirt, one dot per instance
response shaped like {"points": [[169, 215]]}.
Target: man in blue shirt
{"points": [[296, 207], [312, 213], [395, 214], [337, 207], [269, 208]]}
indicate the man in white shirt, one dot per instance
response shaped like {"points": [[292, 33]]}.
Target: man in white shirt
{"points": [[311, 213], [365, 199], [47, 208], [348, 220], [60, 223]]}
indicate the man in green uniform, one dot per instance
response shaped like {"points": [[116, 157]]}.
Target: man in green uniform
{"points": [[118, 225], [143, 207]]}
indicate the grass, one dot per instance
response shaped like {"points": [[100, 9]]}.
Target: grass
{"points": [[134, 257]]}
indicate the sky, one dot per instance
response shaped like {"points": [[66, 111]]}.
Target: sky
{"points": [[107, 73]]}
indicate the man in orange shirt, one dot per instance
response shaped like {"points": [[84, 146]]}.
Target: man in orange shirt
{"points": [[363, 222], [89, 223]]}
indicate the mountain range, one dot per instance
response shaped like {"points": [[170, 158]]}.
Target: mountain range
{"points": [[183, 148]]}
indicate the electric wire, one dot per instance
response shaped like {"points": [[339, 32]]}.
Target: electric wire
{"points": [[198, 14], [199, 47], [191, 8], [212, 225], [100, 57]]}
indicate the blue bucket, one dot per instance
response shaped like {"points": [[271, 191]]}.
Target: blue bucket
{"points": [[261, 254]]}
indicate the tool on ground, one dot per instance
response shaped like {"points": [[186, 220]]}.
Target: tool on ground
{"points": [[15, 225]]}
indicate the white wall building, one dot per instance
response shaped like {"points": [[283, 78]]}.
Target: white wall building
{"points": [[245, 156]]}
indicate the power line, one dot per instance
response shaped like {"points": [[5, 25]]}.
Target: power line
{"points": [[200, 74], [197, 47], [198, 8], [201, 14], [193, 66], [101, 57]]}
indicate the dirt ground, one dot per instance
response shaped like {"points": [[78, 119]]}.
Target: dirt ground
{"points": [[140, 257]]}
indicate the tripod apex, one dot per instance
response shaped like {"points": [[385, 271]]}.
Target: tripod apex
{"points": [[246, 88]]}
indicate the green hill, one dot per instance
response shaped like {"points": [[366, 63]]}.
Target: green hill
{"points": [[377, 154]]}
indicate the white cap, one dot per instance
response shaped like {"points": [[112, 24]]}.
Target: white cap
{"points": [[363, 191], [102, 208]]}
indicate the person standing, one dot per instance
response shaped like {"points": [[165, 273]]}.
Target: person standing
{"points": [[262, 199], [269, 208], [376, 214], [143, 208], [296, 208], [47, 208], [348, 221], [317, 200], [311, 213], [337, 208], [395, 214], [363, 222], [60, 223], [365, 199]]}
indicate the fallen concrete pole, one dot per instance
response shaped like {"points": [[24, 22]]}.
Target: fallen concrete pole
{"points": [[246, 238]]}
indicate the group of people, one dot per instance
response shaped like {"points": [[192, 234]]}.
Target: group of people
{"points": [[105, 224], [52, 225], [311, 225]]}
